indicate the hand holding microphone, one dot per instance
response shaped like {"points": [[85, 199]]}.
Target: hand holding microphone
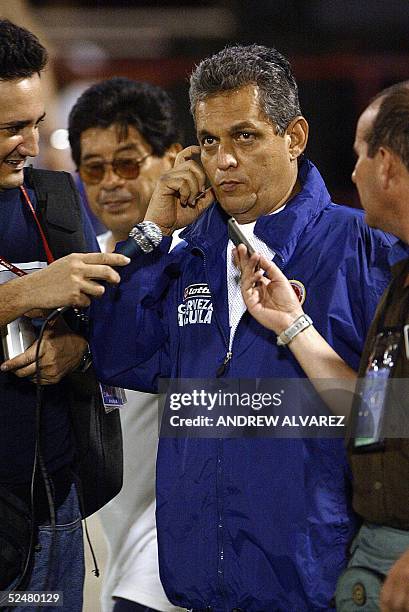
{"points": [[143, 238], [70, 281]]}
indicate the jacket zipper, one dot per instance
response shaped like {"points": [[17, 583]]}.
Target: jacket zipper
{"points": [[221, 370], [219, 458], [223, 367]]}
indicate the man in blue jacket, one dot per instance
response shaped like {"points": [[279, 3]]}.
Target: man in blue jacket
{"points": [[244, 524]]}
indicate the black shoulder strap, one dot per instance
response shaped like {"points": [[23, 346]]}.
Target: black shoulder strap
{"points": [[98, 442], [59, 210]]}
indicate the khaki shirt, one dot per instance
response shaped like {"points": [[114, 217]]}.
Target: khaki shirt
{"points": [[381, 478]]}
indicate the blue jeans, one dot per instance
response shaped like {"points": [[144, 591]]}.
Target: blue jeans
{"points": [[67, 571], [374, 550]]}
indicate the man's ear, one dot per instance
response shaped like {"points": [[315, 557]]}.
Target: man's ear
{"points": [[389, 167], [297, 133], [172, 151]]}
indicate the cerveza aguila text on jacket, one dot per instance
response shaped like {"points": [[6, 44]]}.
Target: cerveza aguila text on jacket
{"points": [[255, 524]]}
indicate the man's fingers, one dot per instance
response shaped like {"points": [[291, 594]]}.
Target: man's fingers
{"points": [[21, 361], [251, 274], [203, 200], [106, 259], [186, 182], [83, 301], [103, 273], [272, 271], [92, 288], [188, 188], [186, 154], [248, 265], [250, 279], [27, 371]]}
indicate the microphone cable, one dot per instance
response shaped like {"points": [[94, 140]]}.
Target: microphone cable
{"points": [[40, 466]]}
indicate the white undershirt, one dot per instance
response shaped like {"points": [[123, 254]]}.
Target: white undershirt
{"points": [[236, 303]]}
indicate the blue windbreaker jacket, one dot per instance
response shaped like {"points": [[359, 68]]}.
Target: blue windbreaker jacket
{"points": [[261, 525]]}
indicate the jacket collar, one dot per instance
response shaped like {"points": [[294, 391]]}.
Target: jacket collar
{"points": [[398, 257], [280, 232]]}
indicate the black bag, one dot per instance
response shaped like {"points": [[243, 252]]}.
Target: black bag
{"points": [[97, 435], [15, 537]]}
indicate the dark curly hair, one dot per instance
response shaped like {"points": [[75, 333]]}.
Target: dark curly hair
{"points": [[124, 102], [21, 53]]}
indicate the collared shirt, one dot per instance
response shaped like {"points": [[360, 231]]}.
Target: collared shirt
{"points": [[381, 478]]}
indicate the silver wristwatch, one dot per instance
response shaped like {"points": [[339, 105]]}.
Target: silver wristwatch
{"points": [[294, 329]]}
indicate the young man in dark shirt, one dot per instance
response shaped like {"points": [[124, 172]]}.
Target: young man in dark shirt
{"points": [[27, 284]]}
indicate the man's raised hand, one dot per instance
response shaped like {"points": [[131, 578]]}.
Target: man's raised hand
{"points": [[180, 196], [269, 298]]}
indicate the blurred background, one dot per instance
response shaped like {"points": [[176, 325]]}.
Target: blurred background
{"points": [[342, 53]]}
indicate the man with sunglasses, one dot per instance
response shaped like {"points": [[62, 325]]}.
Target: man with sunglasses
{"points": [[123, 137]]}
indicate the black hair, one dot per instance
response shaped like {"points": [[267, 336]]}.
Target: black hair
{"points": [[124, 102], [21, 53]]}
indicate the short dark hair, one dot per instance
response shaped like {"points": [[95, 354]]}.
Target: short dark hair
{"points": [[21, 53], [390, 127], [124, 102], [238, 66]]}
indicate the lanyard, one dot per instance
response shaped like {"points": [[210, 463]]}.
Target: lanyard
{"points": [[50, 258], [17, 271]]}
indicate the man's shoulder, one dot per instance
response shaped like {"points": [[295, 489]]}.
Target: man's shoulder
{"points": [[40, 178], [353, 221], [65, 224]]}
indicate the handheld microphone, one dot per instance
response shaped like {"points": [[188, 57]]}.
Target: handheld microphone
{"points": [[143, 238]]}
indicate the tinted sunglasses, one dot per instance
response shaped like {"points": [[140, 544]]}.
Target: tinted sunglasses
{"points": [[126, 168]]}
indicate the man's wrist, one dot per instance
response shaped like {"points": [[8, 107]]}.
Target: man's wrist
{"points": [[288, 320], [166, 231], [24, 294], [301, 323]]}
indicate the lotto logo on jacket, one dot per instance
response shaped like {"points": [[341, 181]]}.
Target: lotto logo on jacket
{"points": [[197, 306]]}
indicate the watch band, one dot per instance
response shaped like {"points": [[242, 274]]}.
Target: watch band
{"points": [[86, 361], [294, 329]]}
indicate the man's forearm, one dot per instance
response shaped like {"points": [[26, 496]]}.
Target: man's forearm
{"points": [[14, 300], [333, 379]]}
